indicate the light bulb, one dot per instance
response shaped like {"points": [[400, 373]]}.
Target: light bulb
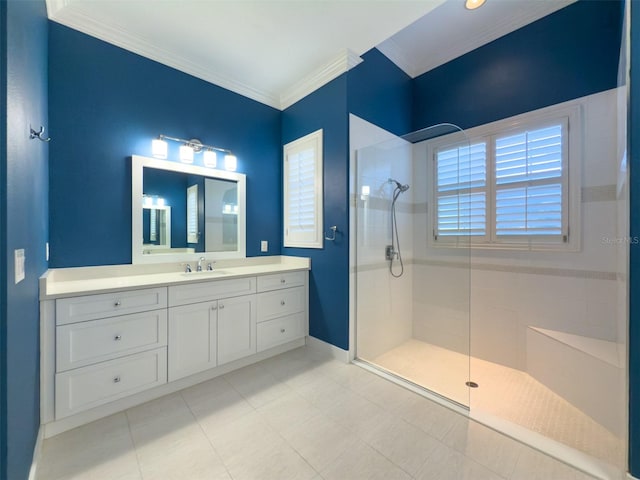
{"points": [[230, 163], [209, 158], [159, 148], [186, 154], [473, 4]]}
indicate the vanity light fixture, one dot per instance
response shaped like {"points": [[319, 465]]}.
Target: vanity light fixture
{"points": [[159, 148], [230, 163], [189, 148], [209, 158], [186, 153], [473, 4]]}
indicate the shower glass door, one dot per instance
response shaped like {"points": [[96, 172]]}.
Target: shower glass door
{"points": [[412, 289]]}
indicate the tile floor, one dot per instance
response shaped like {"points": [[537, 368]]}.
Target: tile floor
{"points": [[293, 417], [505, 393]]}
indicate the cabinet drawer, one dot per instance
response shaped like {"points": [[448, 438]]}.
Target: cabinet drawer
{"points": [[84, 343], [281, 280], [88, 387], [211, 290], [281, 330], [91, 307], [281, 302]]}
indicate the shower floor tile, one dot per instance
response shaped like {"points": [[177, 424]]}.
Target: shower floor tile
{"points": [[503, 392]]}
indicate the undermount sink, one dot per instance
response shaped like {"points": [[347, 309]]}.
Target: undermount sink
{"points": [[206, 273]]}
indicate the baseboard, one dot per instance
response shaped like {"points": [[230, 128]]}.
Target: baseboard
{"points": [[37, 452], [322, 349]]}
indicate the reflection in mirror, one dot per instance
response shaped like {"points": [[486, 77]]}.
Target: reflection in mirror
{"points": [[156, 228], [182, 211]]}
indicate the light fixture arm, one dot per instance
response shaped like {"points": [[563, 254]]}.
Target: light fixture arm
{"points": [[196, 144]]}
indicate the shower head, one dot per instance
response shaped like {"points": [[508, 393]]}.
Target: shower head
{"points": [[399, 186]]}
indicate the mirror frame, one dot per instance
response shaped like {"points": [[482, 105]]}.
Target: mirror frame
{"points": [[137, 167]]}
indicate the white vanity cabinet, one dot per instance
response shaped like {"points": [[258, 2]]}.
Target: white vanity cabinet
{"points": [[282, 309], [108, 345], [102, 355], [193, 339], [236, 328], [216, 326]]}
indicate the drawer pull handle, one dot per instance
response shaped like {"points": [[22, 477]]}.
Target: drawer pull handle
{"points": [[282, 330], [117, 304], [117, 338], [116, 380], [282, 280], [281, 302]]}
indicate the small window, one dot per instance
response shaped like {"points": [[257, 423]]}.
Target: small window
{"points": [[303, 192], [192, 214]]}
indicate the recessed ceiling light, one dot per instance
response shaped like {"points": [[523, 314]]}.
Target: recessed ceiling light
{"points": [[473, 4]]}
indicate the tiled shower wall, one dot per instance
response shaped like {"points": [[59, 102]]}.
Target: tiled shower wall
{"points": [[508, 291]]}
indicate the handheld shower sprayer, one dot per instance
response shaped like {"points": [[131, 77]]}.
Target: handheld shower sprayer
{"points": [[399, 186], [392, 252]]}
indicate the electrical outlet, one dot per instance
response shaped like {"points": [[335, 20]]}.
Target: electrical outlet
{"points": [[264, 246], [19, 264]]}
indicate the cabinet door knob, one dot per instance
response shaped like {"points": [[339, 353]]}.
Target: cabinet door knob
{"points": [[117, 304], [282, 280], [220, 307], [281, 302], [116, 380], [117, 338], [282, 330], [214, 307]]}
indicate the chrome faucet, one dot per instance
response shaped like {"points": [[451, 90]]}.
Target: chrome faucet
{"points": [[210, 266], [187, 268], [199, 267]]}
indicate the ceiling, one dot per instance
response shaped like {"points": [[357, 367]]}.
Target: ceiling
{"points": [[278, 51]]}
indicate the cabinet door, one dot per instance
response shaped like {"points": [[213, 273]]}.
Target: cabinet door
{"points": [[236, 328], [192, 339]]}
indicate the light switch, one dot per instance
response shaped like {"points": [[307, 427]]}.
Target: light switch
{"points": [[264, 246], [19, 264]]}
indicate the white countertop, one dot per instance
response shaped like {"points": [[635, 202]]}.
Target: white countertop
{"points": [[66, 282]]}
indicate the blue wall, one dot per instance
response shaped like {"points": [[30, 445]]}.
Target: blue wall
{"points": [[23, 196], [107, 104], [381, 93], [568, 54], [326, 108]]}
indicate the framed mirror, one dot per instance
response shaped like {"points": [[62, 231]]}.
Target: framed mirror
{"points": [[183, 212]]}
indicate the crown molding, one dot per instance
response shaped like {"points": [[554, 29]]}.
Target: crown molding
{"points": [[390, 49], [344, 62], [119, 37]]}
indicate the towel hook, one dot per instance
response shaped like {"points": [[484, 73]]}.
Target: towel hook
{"points": [[39, 135], [331, 238]]}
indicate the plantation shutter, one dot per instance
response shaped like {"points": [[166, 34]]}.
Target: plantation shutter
{"points": [[530, 182], [303, 192], [192, 214], [461, 186]]}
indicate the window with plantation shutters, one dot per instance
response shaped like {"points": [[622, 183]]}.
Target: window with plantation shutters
{"points": [[529, 166], [303, 192], [192, 214], [509, 186]]}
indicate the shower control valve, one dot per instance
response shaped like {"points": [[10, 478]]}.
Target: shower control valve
{"points": [[390, 253]]}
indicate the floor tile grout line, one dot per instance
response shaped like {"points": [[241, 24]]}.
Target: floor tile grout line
{"points": [[213, 448], [135, 448]]}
